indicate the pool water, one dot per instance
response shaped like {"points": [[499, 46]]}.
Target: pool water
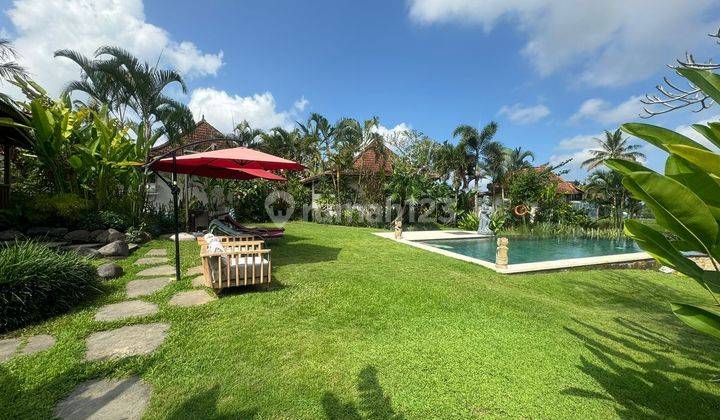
{"points": [[527, 250]]}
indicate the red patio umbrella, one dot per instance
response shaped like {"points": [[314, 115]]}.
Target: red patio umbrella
{"points": [[234, 163]]}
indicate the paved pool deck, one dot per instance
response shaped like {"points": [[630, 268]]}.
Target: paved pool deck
{"points": [[412, 238]]}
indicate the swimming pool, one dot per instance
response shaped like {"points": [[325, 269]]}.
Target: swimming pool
{"points": [[530, 250]]}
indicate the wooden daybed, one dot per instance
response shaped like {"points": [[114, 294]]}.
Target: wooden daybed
{"points": [[244, 262]]}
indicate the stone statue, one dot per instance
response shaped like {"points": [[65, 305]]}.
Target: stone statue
{"points": [[484, 217], [501, 255], [398, 228]]}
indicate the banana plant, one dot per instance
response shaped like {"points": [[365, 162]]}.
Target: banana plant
{"points": [[685, 200]]}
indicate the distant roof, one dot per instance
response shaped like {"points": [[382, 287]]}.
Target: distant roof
{"points": [[11, 135], [203, 131], [367, 159]]}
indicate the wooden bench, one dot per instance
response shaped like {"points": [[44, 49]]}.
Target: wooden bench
{"points": [[244, 262]]}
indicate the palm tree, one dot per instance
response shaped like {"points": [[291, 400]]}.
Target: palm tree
{"points": [[117, 78], [605, 187], [476, 144], [10, 69], [319, 131], [495, 166], [246, 136], [613, 146], [517, 159]]}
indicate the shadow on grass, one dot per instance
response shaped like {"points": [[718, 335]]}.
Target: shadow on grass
{"points": [[274, 286], [203, 405], [373, 402], [303, 253], [634, 370]]}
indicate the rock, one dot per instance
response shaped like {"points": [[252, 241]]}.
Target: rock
{"points": [[106, 399], [160, 270], [184, 236], [10, 235], [88, 253], [78, 236], [127, 309], [39, 231], [141, 237], [137, 288], [38, 343], [156, 252], [115, 249], [59, 232], [115, 235], [99, 235], [110, 271], [127, 341], [665, 269], [191, 298]]}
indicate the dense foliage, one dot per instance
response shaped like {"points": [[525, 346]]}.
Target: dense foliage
{"points": [[37, 282]]}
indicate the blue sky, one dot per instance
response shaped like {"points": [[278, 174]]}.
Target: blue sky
{"points": [[552, 74]]}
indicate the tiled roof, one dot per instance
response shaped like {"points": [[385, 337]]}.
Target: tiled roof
{"points": [[370, 159], [203, 131]]}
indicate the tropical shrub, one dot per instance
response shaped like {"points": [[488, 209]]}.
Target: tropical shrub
{"points": [[685, 201], [469, 221], [37, 282], [64, 209]]}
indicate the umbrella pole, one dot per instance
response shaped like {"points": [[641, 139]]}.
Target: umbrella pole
{"points": [[175, 191]]}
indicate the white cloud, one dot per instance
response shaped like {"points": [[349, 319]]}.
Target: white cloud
{"points": [[398, 130], [613, 41], [575, 171], [605, 113], [44, 26], [690, 132], [520, 114], [583, 141], [225, 111]]}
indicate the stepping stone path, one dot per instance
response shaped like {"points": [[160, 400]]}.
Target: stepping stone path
{"points": [[38, 343], [35, 344], [198, 281], [191, 298], [8, 348], [106, 399], [157, 252], [127, 341], [160, 270], [143, 287], [151, 261], [122, 310], [194, 270]]}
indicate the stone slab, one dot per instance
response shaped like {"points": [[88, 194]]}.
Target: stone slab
{"points": [[145, 287], [192, 271], [106, 399], [160, 270], [157, 252], [198, 281], [38, 343], [191, 298], [8, 347], [151, 261], [133, 340], [127, 309]]}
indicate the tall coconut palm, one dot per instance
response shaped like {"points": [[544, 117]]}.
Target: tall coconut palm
{"points": [[10, 69], [476, 144], [319, 131], [613, 146], [246, 136], [605, 188]]}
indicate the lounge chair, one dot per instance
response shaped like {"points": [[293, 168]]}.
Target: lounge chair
{"points": [[220, 227], [234, 223], [240, 263]]}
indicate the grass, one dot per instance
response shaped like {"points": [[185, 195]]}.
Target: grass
{"points": [[356, 326]]}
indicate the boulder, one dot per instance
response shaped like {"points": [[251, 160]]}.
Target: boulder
{"points": [[39, 231], [115, 249], [141, 237], [110, 271], [89, 253], [59, 232], [81, 235], [10, 235], [114, 235], [183, 236], [99, 235]]}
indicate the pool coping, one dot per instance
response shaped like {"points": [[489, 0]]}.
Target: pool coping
{"points": [[411, 238]]}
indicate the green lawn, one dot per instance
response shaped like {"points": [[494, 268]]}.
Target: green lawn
{"points": [[357, 326]]}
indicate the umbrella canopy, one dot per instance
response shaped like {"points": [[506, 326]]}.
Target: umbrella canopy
{"points": [[205, 163]]}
